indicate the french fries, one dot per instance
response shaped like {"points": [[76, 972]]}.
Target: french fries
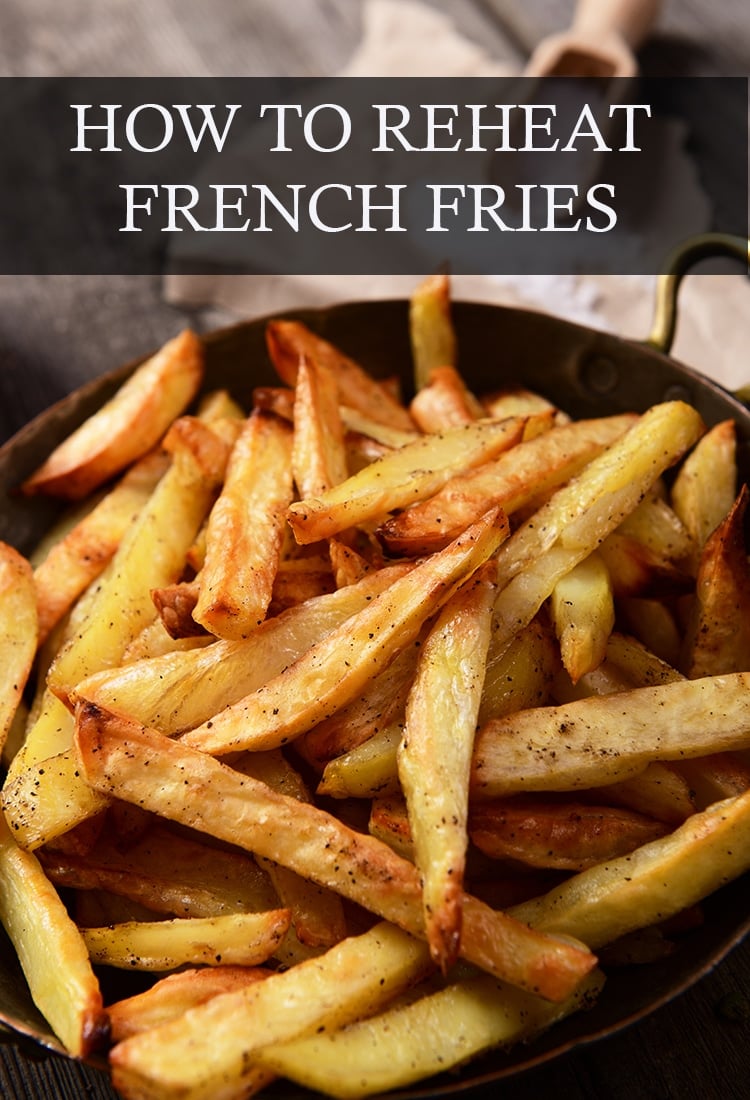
{"points": [[434, 756], [128, 426], [19, 632], [376, 720]]}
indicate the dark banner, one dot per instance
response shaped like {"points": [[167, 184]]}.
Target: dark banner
{"points": [[375, 176]]}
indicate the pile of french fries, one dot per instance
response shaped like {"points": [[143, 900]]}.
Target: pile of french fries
{"points": [[368, 733]]}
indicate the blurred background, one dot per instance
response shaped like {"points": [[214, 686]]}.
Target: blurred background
{"points": [[55, 332]]}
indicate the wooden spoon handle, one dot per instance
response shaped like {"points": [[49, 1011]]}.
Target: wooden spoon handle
{"points": [[630, 20]]}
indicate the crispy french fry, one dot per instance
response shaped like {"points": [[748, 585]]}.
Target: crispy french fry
{"points": [[234, 939], [359, 423], [660, 791], [381, 703], [169, 997], [519, 673], [165, 776], [444, 402], [705, 486], [367, 771], [288, 341], [715, 777], [401, 477], [46, 799], [434, 758], [413, 1042], [175, 604], [318, 453], [18, 632], [431, 332], [245, 530], [583, 611], [654, 882], [127, 426], [331, 673], [530, 468], [578, 517], [317, 914], [50, 949], [656, 525], [74, 561], [167, 873], [208, 1053], [717, 639], [637, 570], [568, 836], [154, 546], [519, 401], [603, 739], [181, 690]]}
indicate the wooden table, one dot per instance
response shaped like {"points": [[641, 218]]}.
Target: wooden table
{"points": [[57, 332]]}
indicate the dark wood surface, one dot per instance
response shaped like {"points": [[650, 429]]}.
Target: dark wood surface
{"points": [[57, 332]]}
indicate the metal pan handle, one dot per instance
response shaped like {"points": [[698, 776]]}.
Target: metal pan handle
{"points": [[703, 247]]}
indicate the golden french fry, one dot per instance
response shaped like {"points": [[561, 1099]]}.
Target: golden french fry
{"points": [[167, 873], [367, 771], [518, 401], [717, 639], [715, 777], [317, 914], [154, 546], [209, 1052], [46, 799], [169, 997], [519, 673], [415, 1041], [74, 561], [18, 632], [170, 778], [400, 477], [531, 467], [434, 758], [234, 939], [175, 604], [389, 822], [705, 486], [579, 516], [318, 453], [568, 836], [657, 526], [358, 423], [289, 341], [331, 673], [651, 884], [641, 666], [154, 641], [127, 426], [181, 690], [50, 949], [245, 530], [347, 564], [637, 570], [444, 402], [583, 611], [603, 739], [431, 332], [382, 703], [660, 791]]}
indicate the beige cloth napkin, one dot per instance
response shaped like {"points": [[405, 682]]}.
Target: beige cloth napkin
{"points": [[406, 37]]}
